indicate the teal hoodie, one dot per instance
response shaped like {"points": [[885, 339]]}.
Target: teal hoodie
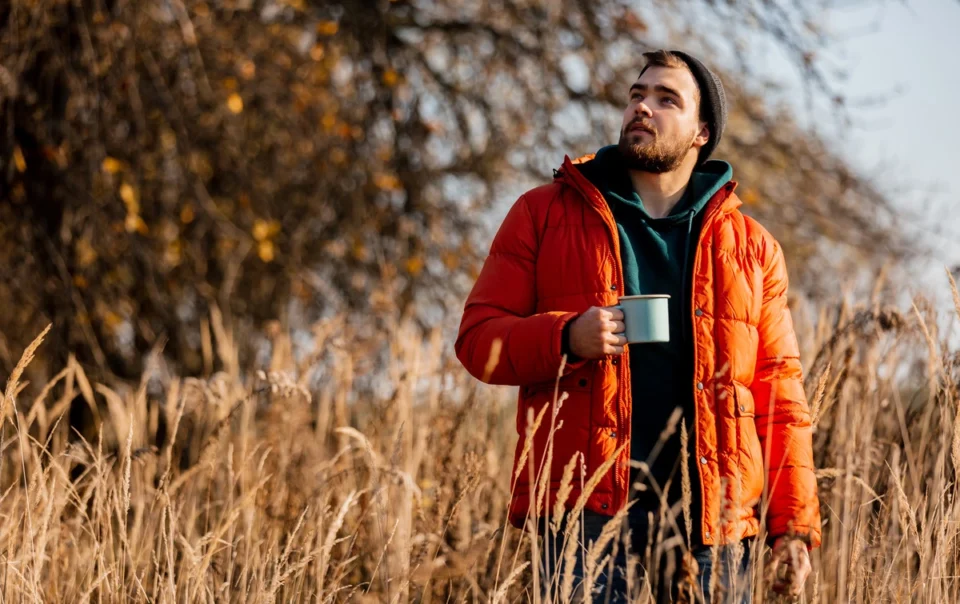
{"points": [[657, 257]]}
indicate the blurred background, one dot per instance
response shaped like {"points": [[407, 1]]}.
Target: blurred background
{"points": [[250, 226], [287, 161]]}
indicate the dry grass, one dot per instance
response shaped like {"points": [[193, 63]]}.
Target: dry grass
{"points": [[317, 481]]}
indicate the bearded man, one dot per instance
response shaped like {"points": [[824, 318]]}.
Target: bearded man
{"points": [[651, 215]]}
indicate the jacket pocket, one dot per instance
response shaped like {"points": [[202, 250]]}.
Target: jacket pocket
{"points": [[576, 381], [749, 451], [570, 426]]}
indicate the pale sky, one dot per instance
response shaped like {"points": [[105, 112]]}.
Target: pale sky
{"points": [[904, 52]]}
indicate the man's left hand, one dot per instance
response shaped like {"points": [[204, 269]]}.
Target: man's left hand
{"points": [[791, 565]]}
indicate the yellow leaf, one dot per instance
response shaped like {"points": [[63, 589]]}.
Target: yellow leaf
{"points": [[414, 265], [173, 254], [187, 214], [19, 160], [235, 103], [328, 28], [129, 196], [265, 250], [57, 155], [112, 319], [265, 229], [451, 260], [200, 165], [390, 78], [248, 69], [316, 53], [168, 139], [111, 165], [387, 182], [80, 281], [360, 251], [86, 255], [328, 122], [134, 223]]}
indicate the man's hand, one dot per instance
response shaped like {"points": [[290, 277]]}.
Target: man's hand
{"points": [[598, 332], [791, 565]]}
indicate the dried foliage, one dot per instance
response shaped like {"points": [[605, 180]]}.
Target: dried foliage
{"points": [[309, 483]]}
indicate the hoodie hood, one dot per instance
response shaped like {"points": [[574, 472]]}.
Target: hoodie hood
{"points": [[607, 171]]}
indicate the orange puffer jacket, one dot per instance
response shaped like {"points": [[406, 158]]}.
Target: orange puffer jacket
{"points": [[556, 254]]}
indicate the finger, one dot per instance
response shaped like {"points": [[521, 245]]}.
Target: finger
{"points": [[782, 577], [800, 576], [614, 313], [779, 576], [615, 339], [612, 349], [614, 326]]}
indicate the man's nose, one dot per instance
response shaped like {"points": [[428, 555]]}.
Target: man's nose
{"points": [[642, 109]]}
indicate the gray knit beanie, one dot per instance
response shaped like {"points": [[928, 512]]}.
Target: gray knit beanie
{"points": [[712, 100]]}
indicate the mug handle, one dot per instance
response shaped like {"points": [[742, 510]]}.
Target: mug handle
{"points": [[620, 308]]}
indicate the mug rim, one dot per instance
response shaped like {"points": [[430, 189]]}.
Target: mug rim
{"points": [[644, 296]]}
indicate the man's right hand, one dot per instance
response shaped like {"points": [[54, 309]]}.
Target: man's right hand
{"points": [[598, 332]]}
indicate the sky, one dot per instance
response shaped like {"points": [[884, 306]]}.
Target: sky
{"points": [[911, 56], [903, 53]]}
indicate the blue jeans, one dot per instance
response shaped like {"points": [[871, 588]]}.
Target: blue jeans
{"points": [[664, 564]]}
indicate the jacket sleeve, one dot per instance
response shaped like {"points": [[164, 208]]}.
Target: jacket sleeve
{"points": [[501, 339], [782, 413]]}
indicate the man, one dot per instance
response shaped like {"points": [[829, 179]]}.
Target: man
{"points": [[651, 215]]}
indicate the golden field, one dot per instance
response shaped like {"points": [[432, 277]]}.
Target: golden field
{"points": [[345, 476]]}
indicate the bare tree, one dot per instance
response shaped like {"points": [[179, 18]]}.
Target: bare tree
{"points": [[286, 159]]}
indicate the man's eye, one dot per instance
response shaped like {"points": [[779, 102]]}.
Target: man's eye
{"points": [[669, 100]]}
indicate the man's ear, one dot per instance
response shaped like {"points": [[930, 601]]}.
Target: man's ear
{"points": [[703, 136]]}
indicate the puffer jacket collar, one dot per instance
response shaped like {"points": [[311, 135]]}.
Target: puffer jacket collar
{"points": [[722, 202]]}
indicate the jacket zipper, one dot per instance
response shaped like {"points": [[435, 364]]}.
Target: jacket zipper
{"points": [[707, 223], [621, 478]]}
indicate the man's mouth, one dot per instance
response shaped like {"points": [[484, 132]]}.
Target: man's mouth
{"points": [[640, 128]]}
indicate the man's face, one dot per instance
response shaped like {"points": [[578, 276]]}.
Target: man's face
{"points": [[661, 124]]}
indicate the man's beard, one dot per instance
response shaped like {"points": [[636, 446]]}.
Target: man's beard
{"points": [[656, 156]]}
